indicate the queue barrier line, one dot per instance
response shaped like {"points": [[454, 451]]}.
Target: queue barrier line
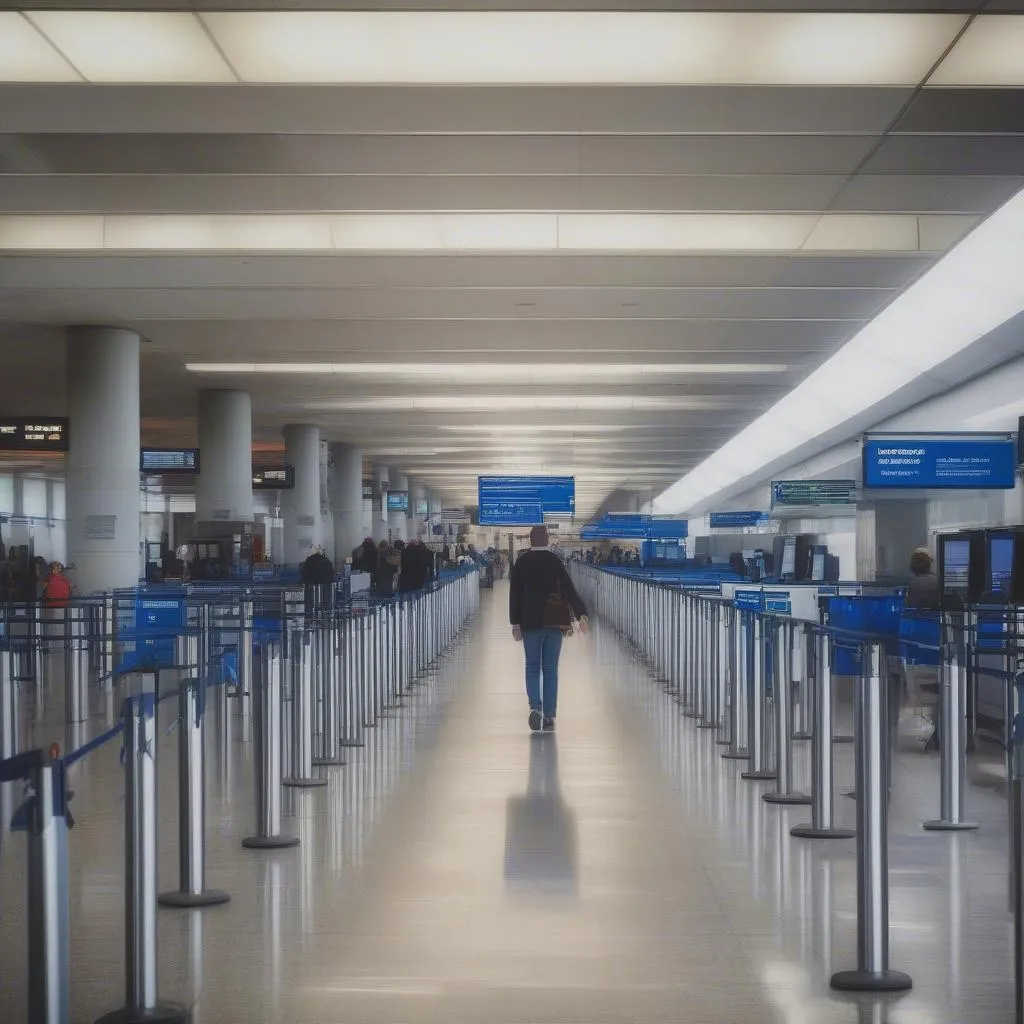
{"points": [[366, 651]]}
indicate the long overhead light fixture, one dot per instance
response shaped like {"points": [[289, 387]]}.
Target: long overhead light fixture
{"points": [[506, 47], [533, 372], [491, 232], [483, 403], [971, 291]]}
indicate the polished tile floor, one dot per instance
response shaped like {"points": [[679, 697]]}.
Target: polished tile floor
{"points": [[460, 871]]}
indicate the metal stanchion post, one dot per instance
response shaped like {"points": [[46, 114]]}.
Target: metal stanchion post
{"points": [[1015, 763], [108, 641], [142, 1005], [803, 656], [819, 692], [873, 973], [245, 654], [268, 756], [756, 732], [737, 669], [302, 717], [49, 948], [192, 891], [330, 712], [76, 668], [782, 693], [953, 737]]}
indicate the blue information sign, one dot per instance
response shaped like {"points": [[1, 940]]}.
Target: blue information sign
{"points": [[962, 463], [718, 520], [525, 500], [634, 527]]}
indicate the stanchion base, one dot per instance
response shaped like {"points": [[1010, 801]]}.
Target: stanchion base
{"points": [[865, 981], [328, 762], [950, 826], [724, 743], [690, 713], [810, 832], [758, 776], [736, 755], [351, 743], [162, 1013], [190, 900], [707, 725], [270, 842], [785, 798], [842, 739], [304, 783], [802, 736]]}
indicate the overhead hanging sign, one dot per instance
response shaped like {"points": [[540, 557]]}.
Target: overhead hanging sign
{"points": [[962, 463], [635, 527], [169, 460], [734, 520], [34, 434], [280, 478], [524, 500], [797, 493]]}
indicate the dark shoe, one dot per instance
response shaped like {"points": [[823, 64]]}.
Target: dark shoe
{"points": [[536, 720], [549, 725]]}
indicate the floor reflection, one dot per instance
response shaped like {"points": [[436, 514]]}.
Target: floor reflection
{"points": [[540, 832]]}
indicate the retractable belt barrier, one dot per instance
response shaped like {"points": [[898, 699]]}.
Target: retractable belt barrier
{"points": [[761, 683], [330, 670]]}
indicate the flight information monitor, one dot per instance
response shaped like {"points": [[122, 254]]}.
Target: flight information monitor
{"points": [[422, 508], [398, 501], [169, 460], [960, 463], [279, 478], [34, 434], [525, 500]]}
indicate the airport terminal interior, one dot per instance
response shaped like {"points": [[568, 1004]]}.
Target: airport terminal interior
{"points": [[512, 514]]}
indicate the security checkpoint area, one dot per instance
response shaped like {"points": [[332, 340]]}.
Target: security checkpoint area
{"points": [[511, 516]]}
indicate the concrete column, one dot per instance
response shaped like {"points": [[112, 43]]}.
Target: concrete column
{"points": [[398, 521], [346, 491], [417, 520], [224, 488], [102, 468], [381, 483], [300, 507]]}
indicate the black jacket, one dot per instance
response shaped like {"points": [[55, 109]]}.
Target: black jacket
{"points": [[537, 575], [414, 573], [317, 569], [923, 592]]}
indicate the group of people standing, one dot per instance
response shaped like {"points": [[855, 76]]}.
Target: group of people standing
{"points": [[405, 567]]}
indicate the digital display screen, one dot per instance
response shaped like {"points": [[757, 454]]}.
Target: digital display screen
{"points": [[280, 478], [422, 508], [367, 491], [169, 460], [788, 569], [809, 493], [1000, 564], [525, 500], [982, 463], [34, 434], [956, 558], [398, 501]]}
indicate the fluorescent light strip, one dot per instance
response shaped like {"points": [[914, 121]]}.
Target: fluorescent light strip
{"points": [[990, 53], [26, 56], [968, 293], [483, 403], [495, 47], [500, 232], [538, 372]]}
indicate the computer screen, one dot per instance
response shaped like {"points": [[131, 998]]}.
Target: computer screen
{"points": [[398, 501], [1000, 564], [956, 557], [787, 570]]}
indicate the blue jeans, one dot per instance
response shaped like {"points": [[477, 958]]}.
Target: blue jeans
{"points": [[543, 647]]}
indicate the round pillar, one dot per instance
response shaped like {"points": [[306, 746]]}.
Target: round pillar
{"points": [[379, 515], [398, 521], [417, 519], [300, 507], [224, 487], [102, 469], [346, 494]]}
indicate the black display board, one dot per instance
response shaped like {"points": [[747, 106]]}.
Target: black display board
{"points": [[34, 434], [169, 460], [276, 478]]}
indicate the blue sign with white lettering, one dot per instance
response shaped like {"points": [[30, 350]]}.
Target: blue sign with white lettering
{"points": [[635, 527], [524, 500], [966, 463], [719, 520]]}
